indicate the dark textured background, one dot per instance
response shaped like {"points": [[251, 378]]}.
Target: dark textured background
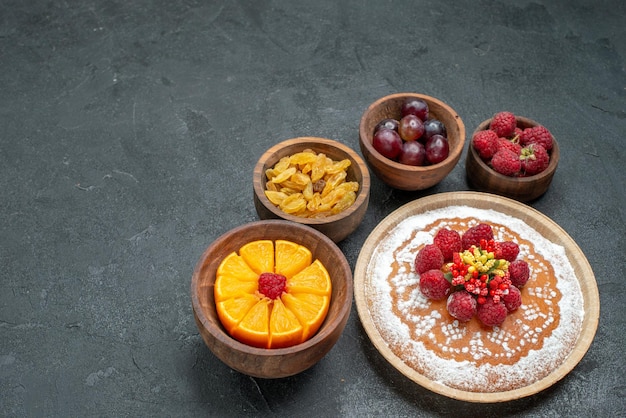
{"points": [[128, 134]]}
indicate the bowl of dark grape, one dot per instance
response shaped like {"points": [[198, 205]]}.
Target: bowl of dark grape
{"points": [[318, 182], [411, 141]]}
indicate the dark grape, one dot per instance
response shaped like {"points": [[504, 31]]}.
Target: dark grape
{"points": [[387, 124], [437, 149], [413, 153], [433, 127], [415, 106], [388, 143], [410, 128]]}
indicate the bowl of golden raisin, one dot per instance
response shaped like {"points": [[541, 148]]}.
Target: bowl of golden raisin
{"points": [[272, 297], [312, 181]]}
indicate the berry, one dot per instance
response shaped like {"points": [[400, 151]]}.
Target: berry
{"points": [[507, 250], [388, 123], [388, 143], [519, 272], [537, 135], [415, 106], [428, 258], [506, 162], [491, 313], [503, 143], [413, 153], [476, 233], [534, 159], [503, 123], [449, 242], [437, 149], [410, 128], [462, 305], [272, 285], [433, 284], [433, 127], [513, 299], [486, 143]]}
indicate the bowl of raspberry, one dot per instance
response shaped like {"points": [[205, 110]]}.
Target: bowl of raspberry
{"points": [[512, 156], [271, 298], [318, 182], [411, 141]]}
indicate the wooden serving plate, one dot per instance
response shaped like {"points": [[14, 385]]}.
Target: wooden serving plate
{"points": [[547, 228]]}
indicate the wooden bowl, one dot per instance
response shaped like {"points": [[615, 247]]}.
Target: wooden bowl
{"points": [[336, 227], [401, 176], [279, 362], [484, 178]]}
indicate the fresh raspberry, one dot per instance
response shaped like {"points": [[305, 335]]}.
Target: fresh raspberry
{"points": [[461, 305], [503, 143], [433, 284], [428, 258], [513, 299], [519, 272], [506, 162], [503, 123], [485, 142], [476, 233], [507, 250], [272, 285], [534, 159], [537, 135], [516, 133], [491, 313], [449, 242]]}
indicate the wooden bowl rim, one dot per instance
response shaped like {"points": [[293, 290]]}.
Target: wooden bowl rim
{"points": [[453, 153], [554, 156], [327, 327], [553, 232], [362, 194]]}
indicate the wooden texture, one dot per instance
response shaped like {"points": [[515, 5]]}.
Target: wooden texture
{"points": [[484, 178], [402, 176], [548, 228], [336, 227], [271, 363]]}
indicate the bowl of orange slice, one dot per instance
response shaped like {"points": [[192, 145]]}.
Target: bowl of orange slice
{"points": [[272, 297]]}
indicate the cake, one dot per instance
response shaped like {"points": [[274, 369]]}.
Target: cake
{"points": [[530, 344]]}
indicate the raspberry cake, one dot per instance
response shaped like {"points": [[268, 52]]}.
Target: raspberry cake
{"points": [[468, 360]]}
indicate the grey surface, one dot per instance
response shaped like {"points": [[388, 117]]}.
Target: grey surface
{"points": [[128, 134]]}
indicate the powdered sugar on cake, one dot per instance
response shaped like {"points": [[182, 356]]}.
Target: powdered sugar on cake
{"points": [[527, 347]]}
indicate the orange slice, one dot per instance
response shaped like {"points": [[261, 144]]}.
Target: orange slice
{"points": [[235, 266], [227, 286], [313, 279], [310, 310], [254, 327], [291, 258], [232, 311], [285, 329], [259, 255]]}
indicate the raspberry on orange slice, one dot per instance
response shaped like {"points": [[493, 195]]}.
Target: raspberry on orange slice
{"points": [[272, 295]]}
